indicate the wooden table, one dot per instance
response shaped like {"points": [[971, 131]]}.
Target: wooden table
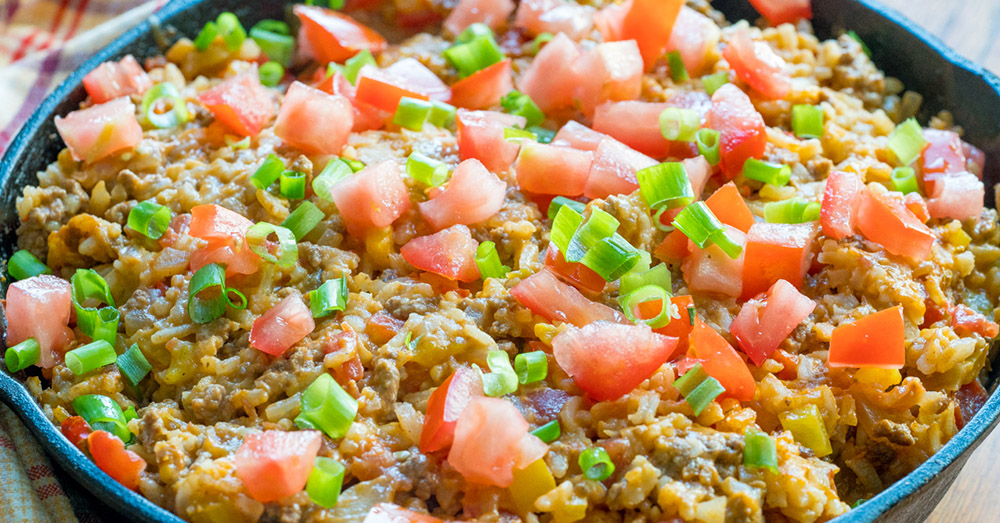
{"points": [[969, 27]]}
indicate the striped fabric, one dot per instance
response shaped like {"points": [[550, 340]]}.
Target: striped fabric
{"points": [[41, 42]]}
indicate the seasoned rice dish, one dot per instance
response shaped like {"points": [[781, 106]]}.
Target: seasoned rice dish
{"points": [[546, 261]]}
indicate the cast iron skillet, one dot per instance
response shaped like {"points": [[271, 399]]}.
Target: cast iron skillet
{"points": [[900, 48]]}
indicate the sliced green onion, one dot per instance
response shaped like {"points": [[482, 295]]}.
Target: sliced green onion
{"points": [[513, 134], [337, 4], [268, 172], [704, 394], [708, 145], [659, 275], [240, 304], [904, 180], [303, 219], [598, 226], [472, 32], [611, 257], [502, 379], [257, 239], [133, 365], [691, 379], [542, 134], [166, 97], [678, 73], [99, 324], [488, 261], [426, 170], [548, 432], [327, 407], [564, 226], [531, 367], [329, 297], [275, 40], [806, 425], [354, 64], [271, 74], [759, 450], [559, 201], [93, 355], [333, 68], [807, 121], [700, 225], [539, 41], [87, 284], [355, 165], [907, 142], [596, 464], [864, 46], [647, 293], [411, 113], [476, 54], [149, 219], [292, 185], [325, 481], [236, 142], [691, 314], [335, 170], [210, 279], [794, 210], [22, 355], [442, 114], [520, 104], [677, 124], [130, 413], [231, 29], [23, 265], [767, 172], [665, 186], [102, 413], [858, 503], [713, 82], [206, 36]]}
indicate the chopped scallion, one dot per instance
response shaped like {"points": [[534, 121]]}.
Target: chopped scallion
{"points": [[540, 41], [691, 379], [286, 253], [700, 225], [531, 367], [472, 32], [599, 225], [665, 186], [794, 210], [335, 170], [478, 53], [501, 379], [678, 124], [645, 294], [708, 145], [807, 121], [596, 464], [542, 134], [548, 432], [325, 481], [767, 172], [864, 46], [559, 201], [678, 73], [93, 355], [907, 142], [164, 107], [327, 407], [275, 40], [354, 64], [210, 280], [488, 261], [268, 172], [904, 180], [292, 185], [520, 104], [442, 114], [231, 30], [22, 355], [611, 257], [102, 413], [23, 265], [99, 324], [271, 74], [149, 219], [704, 394], [206, 36], [713, 82], [411, 113], [426, 170], [564, 226], [303, 219], [513, 134], [759, 450], [329, 297], [659, 275], [133, 365]]}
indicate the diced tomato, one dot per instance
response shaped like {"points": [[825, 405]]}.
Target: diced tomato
{"points": [[650, 23], [313, 121], [112, 80], [609, 360], [876, 340], [609, 20], [275, 464], [884, 219], [576, 274], [741, 128], [535, 17], [445, 406], [225, 232], [371, 199], [491, 440], [944, 154], [975, 159], [555, 60], [554, 300], [970, 398], [282, 326], [839, 210], [473, 195], [549, 169], [241, 103], [366, 116], [728, 205], [613, 169], [76, 429], [480, 136], [777, 251], [484, 88], [382, 90], [694, 34], [966, 321], [415, 76], [100, 130], [780, 12], [681, 327], [578, 136], [450, 253], [957, 196], [764, 322], [382, 326], [39, 307], [712, 270], [610, 71], [110, 455], [390, 513], [333, 36], [918, 206], [721, 361], [493, 13], [636, 124], [673, 247], [755, 63]]}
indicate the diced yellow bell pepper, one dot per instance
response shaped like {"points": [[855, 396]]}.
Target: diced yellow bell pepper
{"points": [[530, 483], [882, 378], [806, 425]]}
